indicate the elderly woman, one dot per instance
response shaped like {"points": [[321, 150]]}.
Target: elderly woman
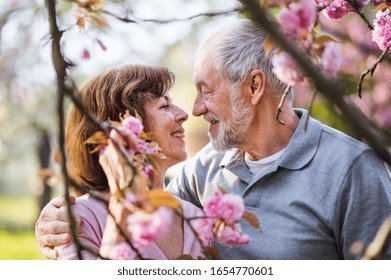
{"points": [[133, 88]]}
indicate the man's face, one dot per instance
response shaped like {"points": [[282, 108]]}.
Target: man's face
{"points": [[213, 101]]}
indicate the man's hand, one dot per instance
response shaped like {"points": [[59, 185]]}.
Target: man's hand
{"points": [[52, 227]]}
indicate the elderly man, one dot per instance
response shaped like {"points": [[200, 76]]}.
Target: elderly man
{"points": [[315, 191]]}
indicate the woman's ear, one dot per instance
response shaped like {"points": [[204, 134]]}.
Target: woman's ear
{"points": [[257, 85]]}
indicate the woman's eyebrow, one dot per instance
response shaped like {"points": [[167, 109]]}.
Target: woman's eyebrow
{"points": [[167, 97]]}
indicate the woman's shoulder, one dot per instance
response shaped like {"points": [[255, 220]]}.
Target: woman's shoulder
{"points": [[189, 209], [91, 210]]}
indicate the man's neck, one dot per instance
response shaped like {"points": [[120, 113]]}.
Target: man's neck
{"points": [[266, 136]]}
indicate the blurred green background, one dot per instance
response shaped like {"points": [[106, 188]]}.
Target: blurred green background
{"points": [[17, 216], [28, 129]]}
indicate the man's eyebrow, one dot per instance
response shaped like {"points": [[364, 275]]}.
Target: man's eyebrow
{"points": [[200, 83]]}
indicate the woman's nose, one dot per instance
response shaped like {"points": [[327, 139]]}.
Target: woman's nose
{"points": [[181, 115]]}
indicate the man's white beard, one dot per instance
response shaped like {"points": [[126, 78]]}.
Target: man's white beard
{"points": [[230, 135]]}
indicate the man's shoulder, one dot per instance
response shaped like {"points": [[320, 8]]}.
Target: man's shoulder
{"points": [[341, 150], [207, 156], [337, 140]]}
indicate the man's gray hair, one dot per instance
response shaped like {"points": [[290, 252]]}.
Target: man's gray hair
{"points": [[238, 49]]}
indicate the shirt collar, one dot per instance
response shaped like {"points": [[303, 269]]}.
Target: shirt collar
{"points": [[301, 148], [304, 143], [228, 157]]}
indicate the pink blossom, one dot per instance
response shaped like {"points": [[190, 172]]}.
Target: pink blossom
{"points": [[233, 236], [337, 9], [153, 148], [85, 54], [286, 69], [298, 16], [381, 33], [147, 227], [132, 125], [227, 207], [142, 146], [148, 169], [331, 59], [321, 3], [122, 251], [204, 229], [211, 206], [231, 208]]}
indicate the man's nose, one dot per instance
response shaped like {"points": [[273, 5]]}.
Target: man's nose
{"points": [[199, 107]]}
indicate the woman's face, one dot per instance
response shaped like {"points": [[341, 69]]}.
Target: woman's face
{"points": [[166, 119]]}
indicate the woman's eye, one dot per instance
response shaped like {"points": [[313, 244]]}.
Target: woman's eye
{"points": [[165, 106]]}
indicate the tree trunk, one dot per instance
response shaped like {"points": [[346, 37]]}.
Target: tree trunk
{"points": [[44, 152]]}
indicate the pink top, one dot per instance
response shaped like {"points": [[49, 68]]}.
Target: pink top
{"points": [[93, 214]]}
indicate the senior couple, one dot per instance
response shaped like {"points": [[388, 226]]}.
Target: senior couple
{"points": [[315, 191]]}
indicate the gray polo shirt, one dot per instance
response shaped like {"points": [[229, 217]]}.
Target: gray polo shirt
{"points": [[326, 191]]}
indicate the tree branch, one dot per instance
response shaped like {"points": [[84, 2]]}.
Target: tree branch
{"points": [[371, 70], [60, 66], [356, 6], [279, 108], [166, 21], [363, 47]]}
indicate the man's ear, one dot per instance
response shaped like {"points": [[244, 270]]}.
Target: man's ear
{"points": [[257, 84]]}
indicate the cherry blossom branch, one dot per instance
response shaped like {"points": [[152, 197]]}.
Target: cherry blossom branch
{"points": [[166, 21], [279, 108], [101, 198], [195, 233], [356, 6], [124, 236], [332, 91], [310, 106], [364, 47], [60, 66], [371, 70]]}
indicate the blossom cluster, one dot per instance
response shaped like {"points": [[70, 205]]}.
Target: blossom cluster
{"points": [[147, 217], [381, 33], [144, 228], [223, 212], [299, 21], [139, 145], [150, 215]]}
